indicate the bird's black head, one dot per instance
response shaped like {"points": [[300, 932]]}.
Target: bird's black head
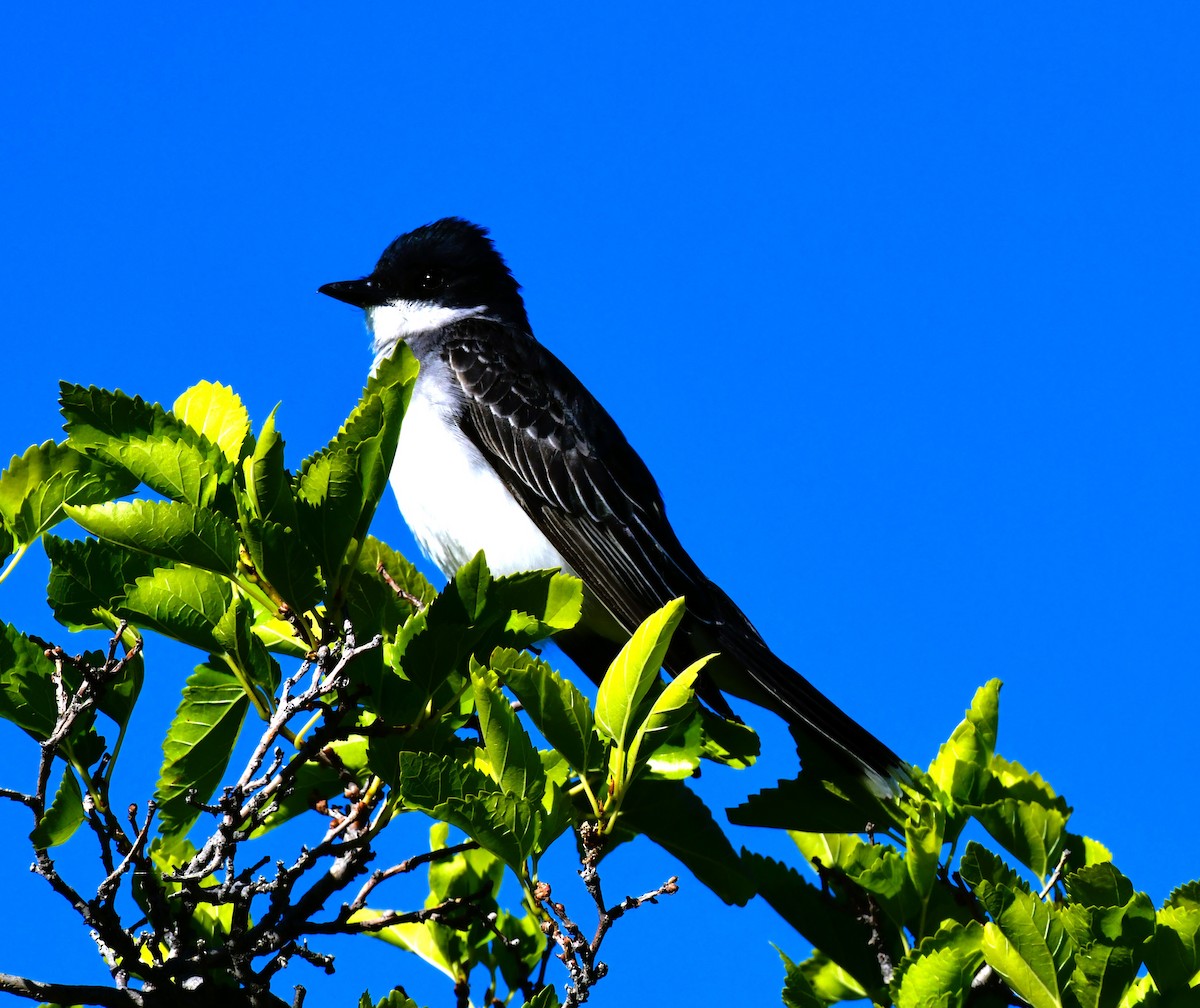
{"points": [[451, 263]]}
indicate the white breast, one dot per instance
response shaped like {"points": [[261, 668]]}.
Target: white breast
{"points": [[451, 498]]}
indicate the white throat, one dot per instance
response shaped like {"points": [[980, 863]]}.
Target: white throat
{"points": [[453, 501], [405, 321]]}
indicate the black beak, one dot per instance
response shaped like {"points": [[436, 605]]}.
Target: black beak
{"points": [[360, 293]]}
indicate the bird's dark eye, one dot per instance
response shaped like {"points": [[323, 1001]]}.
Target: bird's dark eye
{"points": [[429, 282]]}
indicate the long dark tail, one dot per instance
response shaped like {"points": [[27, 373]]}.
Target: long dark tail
{"points": [[746, 667], [777, 686]]}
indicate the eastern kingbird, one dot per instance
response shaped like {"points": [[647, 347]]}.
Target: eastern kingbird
{"points": [[503, 450]]}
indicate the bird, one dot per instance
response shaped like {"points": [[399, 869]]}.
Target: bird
{"points": [[504, 450]]}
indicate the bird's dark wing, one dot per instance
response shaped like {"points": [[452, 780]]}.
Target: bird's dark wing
{"points": [[567, 463], [565, 460]]}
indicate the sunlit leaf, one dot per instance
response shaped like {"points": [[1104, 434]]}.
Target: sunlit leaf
{"points": [[1028, 948], [515, 763], [320, 779], [183, 602], [798, 990], [993, 882], [962, 766], [668, 712], [268, 484], [331, 498], [372, 604], [629, 677], [170, 531], [555, 705], [938, 972], [1032, 833], [36, 486], [215, 412], [1101, 975]]}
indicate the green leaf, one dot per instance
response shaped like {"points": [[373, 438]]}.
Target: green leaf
{"points": [[215, 412], [1172, 954], [427, 780], [63, 817], [96, 417], [732, 743], [88, 579], [1011, 780], [1186, 895], [1102, 975], [372, 605], [35, 487], [629, 677], [962, 766], [833, 927], [27, 694], [1116, 913], [118, 696], [1084, 851], [392, 382], [213, 922], [504, 824], [552, 601], [676, 756], [175, 469], [547, 997], [185, 603], [171, 531], [515, 763], [993, 882], [555, 705], [234, 633], [395, 999], [938, 972], [808, 802], [469, 874], [199, 743], [877, 868], [431, 648], [331, 497], [341, 484], [671, 815], [1032, 833], [422, 939], [268, 483], [165, 454], [471, 585], [923, 837], [798, 990], [282, 559], [669, 711], [829, 981], [1099, 886], [320, 779], [1026, 947]]}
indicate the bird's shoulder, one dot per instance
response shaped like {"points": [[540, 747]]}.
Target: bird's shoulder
{"points": [[529, 411]]}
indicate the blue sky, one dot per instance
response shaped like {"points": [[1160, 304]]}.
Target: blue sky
{"points": [[898, 303]]}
